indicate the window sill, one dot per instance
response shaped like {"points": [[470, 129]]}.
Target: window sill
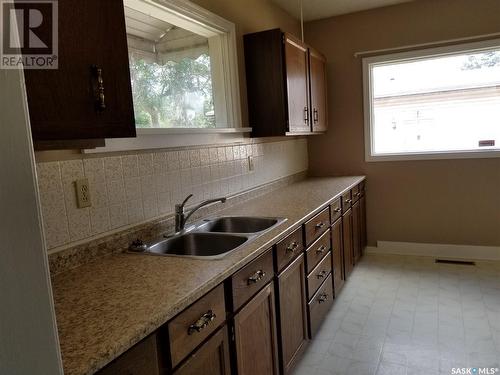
{"points": [[445, 155], [170, 138]]}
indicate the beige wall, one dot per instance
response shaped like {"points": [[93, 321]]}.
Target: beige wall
{"points": [[444, 201]]}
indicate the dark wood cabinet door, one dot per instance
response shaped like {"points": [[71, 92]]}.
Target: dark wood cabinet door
{"points": [[255, 335], [292, 312], [348, 243], [63, 102], [362, 207], [212, 358], [337, 256], [356, 232], [297, 78], [317, 69]]}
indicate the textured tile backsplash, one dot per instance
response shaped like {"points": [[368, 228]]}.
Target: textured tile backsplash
{"points": [[136, 187]]}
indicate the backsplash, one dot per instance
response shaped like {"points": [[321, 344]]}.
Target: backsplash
{"points": [[129, 189]]}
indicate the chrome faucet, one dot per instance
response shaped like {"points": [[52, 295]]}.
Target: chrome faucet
{"points": [[180, 216]]}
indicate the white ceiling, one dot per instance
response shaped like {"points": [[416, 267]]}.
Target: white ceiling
{"points": [[317, 9]]}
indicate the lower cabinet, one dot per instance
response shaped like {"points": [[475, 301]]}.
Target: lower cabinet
{"points": [[337, 256], [142, 359], [258, 321], [347, 232], [212, 358], [255, 335], [292, 313]]}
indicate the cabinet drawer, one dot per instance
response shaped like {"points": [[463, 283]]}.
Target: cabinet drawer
{"points": [[319, 274], [346, 201], [288, 248], [317, 225], [335, 210], [317, 250], [319, 305], [251, 278], [188, 329]]}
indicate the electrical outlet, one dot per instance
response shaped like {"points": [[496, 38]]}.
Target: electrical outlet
{"points": [[250, 163], [83, 193]]}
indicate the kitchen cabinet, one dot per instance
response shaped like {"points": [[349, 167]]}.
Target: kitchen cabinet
{"points": [[292, 313], [347, 233], [212, 358], [319, 114], [295, 74], [255, 335], [362, 208], [89, 96], [142, 359]]}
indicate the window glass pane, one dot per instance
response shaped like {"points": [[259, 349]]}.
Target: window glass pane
{"points": [[170, 69], [435, 104]]}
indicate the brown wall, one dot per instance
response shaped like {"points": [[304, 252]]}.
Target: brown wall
{"points": [[440, 201], [250, 16]]}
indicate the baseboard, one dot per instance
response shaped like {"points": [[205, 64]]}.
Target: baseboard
{"points": [[436, 250]]}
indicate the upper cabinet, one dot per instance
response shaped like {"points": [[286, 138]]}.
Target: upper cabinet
{"points": [[89, 96], [286, 83]]}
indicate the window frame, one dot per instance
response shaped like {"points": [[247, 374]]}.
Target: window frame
{"points": [[221, 35], [368, 62]]}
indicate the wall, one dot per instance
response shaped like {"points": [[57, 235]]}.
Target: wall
{"points": [[132, 188], [442, 201]]}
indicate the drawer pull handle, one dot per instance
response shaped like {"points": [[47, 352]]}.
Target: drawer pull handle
{"points": [[348, 200], [358, 194], [322, 298], [336, 210], [99, 88], [201, 323], [256, 277], [322, 274], [320, 225], [292, 247], [321, 249]]}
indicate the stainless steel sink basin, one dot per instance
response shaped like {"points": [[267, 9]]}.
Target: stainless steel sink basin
{"points": [[238, 224], [198, 245]]}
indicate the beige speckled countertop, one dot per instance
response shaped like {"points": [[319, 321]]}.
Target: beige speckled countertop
{"points": [[105, 307]]}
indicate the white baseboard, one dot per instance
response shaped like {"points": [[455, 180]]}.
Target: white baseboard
{"points": [[468, 252]]}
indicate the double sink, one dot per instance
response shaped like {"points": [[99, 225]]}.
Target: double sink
{"points": [[213, 238]]}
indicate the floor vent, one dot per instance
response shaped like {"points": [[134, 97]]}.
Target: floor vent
{"points": [[459, 262]]}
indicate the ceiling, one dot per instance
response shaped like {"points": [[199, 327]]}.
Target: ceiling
{"points": [[317, 9]]}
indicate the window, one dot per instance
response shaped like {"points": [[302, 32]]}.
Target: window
{"points": [[182, 67], [435, 103]]}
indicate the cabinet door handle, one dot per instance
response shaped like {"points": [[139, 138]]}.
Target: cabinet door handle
{"points": [[306, 115], [322, 298], [315, 115], [292, 247], [99, 88], [321, 249], [322, 274], [202, 322], [320, 225], [257, 276]]}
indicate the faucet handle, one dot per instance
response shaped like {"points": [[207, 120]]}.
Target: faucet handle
{"points": [[181, 206]]}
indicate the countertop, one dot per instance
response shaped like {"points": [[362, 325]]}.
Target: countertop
{"points": [[106, 306]]}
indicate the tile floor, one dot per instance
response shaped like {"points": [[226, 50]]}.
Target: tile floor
{"points": [[410, 316]]}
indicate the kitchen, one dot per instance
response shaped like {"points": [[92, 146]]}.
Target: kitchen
{"points": [[327, 211]]}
